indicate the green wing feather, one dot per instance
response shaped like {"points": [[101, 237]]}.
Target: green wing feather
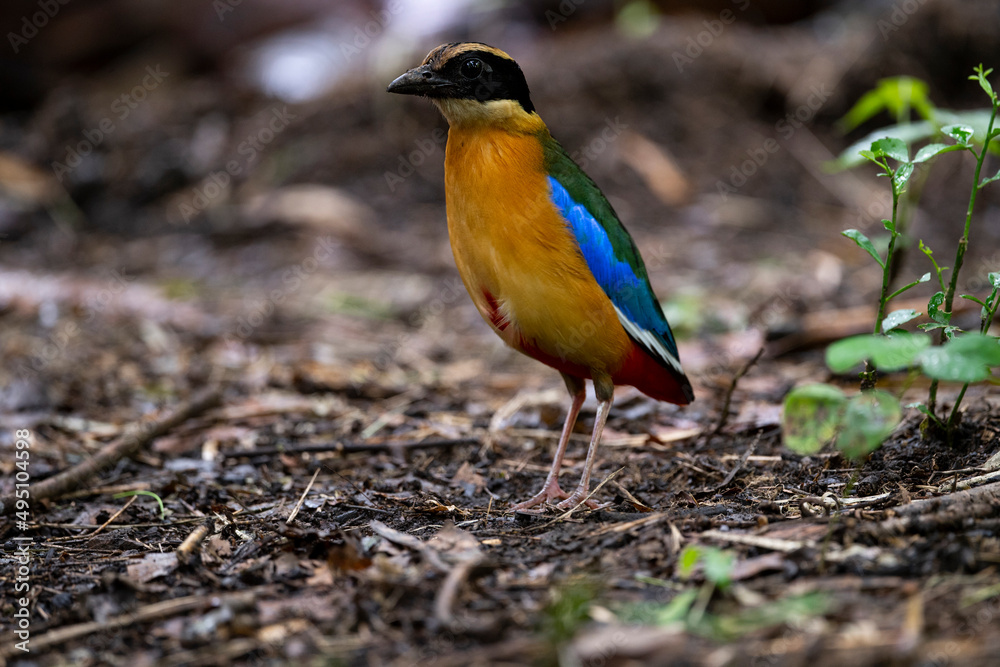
{"points": [[610, 253]]}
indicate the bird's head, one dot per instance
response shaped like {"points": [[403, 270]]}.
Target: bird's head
{"points": [[469, 82]]}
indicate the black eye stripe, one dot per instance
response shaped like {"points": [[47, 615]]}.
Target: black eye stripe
{"points": [[480, 75]]}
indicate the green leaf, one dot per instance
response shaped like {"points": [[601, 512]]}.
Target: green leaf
{"points": [[963, 126], [937, 269], [948, 329], [961, 133], [976, 120], [867, 106], [907, 132], [718, 566], [972, 298], [899, 351], [677, 609], [962, 359], [788, 611], [811, 416], [869, 419], [887, 353], [980, 76], [901, 176], [654, 613], [923, 279], [896, 94], [898, 318], [921, 407], [847, 353], [986, 181], [994, 279], [933, 150], [864, 243], [891, 147], [934, 309], [687, 561]]}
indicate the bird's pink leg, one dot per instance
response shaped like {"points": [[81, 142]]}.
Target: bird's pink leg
{"points": [[550, 490], [605, 391]]}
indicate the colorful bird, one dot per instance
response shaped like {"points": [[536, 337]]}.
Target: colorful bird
{"points": [[542, 253]]}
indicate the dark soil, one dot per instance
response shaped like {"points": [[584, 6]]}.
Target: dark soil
{"points": [[347, 502]]}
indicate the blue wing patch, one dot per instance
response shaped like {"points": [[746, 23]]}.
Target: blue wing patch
{"points": [[633, 298]]}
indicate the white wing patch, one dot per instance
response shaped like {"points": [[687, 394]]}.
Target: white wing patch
{"points": [[649, 341]]}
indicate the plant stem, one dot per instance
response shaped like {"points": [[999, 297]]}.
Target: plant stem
{"points": [[989, 311], [887, 269], [869, 376], [963, 243], [954, 411]]}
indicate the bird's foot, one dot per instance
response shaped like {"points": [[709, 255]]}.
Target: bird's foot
{"points": [[578, 496], [549, 493]]}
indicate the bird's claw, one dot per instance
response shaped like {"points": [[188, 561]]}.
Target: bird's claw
{"points": [[575, 499], [537, 503], [549, 493]]}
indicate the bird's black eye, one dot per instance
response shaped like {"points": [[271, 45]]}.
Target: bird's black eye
{"points": [[472, 68]]}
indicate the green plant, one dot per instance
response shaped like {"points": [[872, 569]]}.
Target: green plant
{"points": [[817, 414], [568, 610], [159, 501], [689, 608]]}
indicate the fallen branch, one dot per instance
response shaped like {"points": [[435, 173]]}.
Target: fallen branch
{"points": [[931, 514], [970, 482], [151, 612], [353, 447], [126, 446]]}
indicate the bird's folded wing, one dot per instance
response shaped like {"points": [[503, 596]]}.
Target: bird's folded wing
{"points": [[611, 255]]}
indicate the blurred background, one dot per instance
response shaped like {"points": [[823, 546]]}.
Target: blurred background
{"points": [[191, 188]]}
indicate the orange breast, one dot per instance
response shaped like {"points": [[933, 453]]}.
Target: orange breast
{"points": [[518, 258]]}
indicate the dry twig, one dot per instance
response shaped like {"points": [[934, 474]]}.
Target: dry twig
{"points": [[728, 399], [302, 498], [151, 612], [352, 447], [190, 543], [126, 446]]}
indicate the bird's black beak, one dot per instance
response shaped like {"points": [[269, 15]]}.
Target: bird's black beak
{"points": [[419, 81]]}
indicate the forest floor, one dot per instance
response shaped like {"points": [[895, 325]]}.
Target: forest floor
{"points": [[336, 437]]}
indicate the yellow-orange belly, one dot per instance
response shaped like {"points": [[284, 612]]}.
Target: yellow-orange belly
{"points": [[518, 257]]}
